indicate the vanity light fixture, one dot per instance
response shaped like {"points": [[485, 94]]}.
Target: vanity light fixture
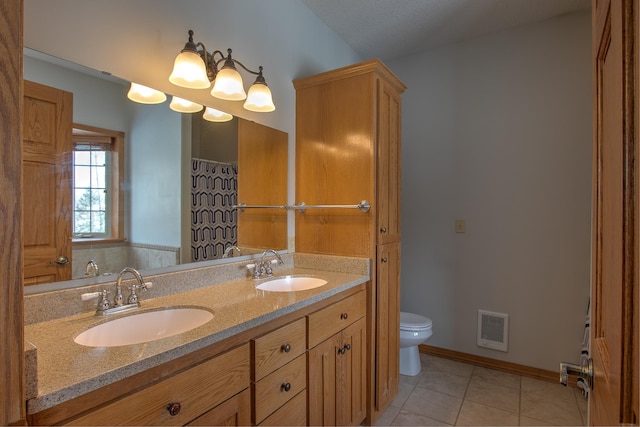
{"points": [[213, 115], [184, 105], [145, 95], [195, 68]]}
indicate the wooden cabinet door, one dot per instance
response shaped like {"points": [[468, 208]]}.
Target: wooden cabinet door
{"points": [[388, 171], [352, 375], [387, 324], [321, 384], [47, 182], [234, 412]]}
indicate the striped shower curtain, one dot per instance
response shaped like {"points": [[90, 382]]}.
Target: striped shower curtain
{"points": [[214, 190]]}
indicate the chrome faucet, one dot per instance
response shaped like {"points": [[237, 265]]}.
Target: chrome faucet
{"points": [[133, 297], [104, 306], [229, 251], [263, 268], [92, 269]]}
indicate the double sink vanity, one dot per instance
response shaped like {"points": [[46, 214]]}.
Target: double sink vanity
{"points": [[207, 346]]}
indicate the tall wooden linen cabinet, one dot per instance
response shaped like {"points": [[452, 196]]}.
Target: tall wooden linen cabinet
{"points": [[348, 151]]}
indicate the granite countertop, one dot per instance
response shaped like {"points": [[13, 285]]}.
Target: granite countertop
{"points": [[66, 370]]}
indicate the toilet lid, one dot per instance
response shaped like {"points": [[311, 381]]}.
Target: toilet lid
{"points": [[414, 322]]}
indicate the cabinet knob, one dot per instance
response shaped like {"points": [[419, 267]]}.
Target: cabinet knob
{"points": [[344, 316], [342, 350], [285, 387], [383, 259], [286, 348], [383, 230], [173, 408], [347, 346]]}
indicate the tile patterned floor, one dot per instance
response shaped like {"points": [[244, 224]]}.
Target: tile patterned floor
{"points": [[454, 393]]}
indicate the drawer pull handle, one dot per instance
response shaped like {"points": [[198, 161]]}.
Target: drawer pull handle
{"points": [[383, 230], [173, 408], [286, 348], [344, 316], [285, 387]]}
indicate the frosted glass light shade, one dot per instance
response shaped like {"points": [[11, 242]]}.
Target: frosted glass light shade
{"points": [[259, 99], [184, 105], [189, 71], [228, 85], [145, 95], [213, 115]]}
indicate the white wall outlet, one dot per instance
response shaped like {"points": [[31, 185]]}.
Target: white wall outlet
{"points": [[461, 227]]}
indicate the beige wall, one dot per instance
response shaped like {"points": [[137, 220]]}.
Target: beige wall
{"points": [[497, 131]]}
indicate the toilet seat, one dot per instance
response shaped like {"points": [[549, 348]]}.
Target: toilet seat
{"points": [[414, 322]]}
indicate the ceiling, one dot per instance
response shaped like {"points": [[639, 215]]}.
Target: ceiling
{"points": [[389, 29]]}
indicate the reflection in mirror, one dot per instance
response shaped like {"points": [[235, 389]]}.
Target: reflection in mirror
{"points": [[224, 164]]}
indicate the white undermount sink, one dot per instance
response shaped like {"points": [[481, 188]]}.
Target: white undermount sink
{"points": [[144, 327], [291, 284]]}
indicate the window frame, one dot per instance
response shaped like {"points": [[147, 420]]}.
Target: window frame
{"points": [[84, 133]]}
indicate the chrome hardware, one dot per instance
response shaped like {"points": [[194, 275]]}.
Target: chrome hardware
{"points": [[285, 348], [104, 307], [174, 408], [229, 251], [285, 387], [584, 371], [363, 206], [61, 260], [91, 270], [263, 268]]}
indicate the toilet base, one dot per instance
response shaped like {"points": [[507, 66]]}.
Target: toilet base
{"points": [[410, 361]]}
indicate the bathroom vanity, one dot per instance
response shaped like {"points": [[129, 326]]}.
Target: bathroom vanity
{"points": [[266, 358]]}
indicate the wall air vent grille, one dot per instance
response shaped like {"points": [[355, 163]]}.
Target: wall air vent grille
{"points": [[493, 330]]}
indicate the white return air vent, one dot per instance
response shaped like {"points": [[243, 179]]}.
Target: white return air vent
{"points": [[493, 330]]}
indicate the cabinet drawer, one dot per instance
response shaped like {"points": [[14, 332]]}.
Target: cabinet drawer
{"points": [[277, 388], [278, 348], [293, 413], [334, 318], [197, 390]]}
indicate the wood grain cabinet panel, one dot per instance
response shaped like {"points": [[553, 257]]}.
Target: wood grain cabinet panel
{"points": [[277, 348], [348, 149], [196, 391]]}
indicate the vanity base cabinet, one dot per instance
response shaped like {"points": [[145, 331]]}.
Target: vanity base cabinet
{"points": [[337, 366], [337, 378], [234, 412], [184, 397]]}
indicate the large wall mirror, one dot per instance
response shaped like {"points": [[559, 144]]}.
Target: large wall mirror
{"points": [[181, 177]]}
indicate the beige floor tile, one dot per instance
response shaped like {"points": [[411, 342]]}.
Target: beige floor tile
{"points": [[475, 414], [431, 404], [526, 421], [497, 377], [406, 418], [411, 380], [404, 391], [493, 395], [444, 382], [387, 416], [583, 405], [549, 402], [450, 366]]}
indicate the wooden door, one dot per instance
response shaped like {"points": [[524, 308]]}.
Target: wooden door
{"points": [[387, 324], [352, 375], [614, 340], [47, 182], [321, 384]]}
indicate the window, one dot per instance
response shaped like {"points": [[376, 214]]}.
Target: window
{"points": [[97, 183]]}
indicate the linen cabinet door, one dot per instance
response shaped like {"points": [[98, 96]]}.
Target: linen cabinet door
{"points": [[322, 382], [388, 171], [387, 324], [352, 375]]}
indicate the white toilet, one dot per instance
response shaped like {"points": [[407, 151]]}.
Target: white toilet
{"points": [[414, 330]]}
